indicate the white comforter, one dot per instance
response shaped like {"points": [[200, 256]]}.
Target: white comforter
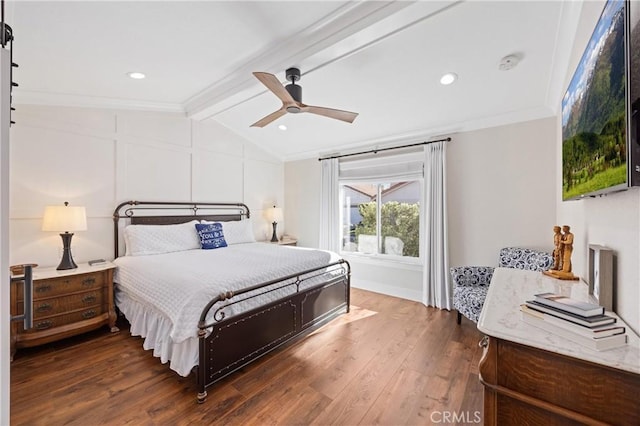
{"points": [[179, 285]]}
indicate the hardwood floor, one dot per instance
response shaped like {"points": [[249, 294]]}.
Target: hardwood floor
{"points": [[389, 361]]}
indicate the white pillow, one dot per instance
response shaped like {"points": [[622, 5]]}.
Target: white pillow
{"points": [[142, 240], [237, 231]]}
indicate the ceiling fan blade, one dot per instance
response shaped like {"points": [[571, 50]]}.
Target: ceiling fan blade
{"points": [[338, 114], [269, 118], [272, 83]]}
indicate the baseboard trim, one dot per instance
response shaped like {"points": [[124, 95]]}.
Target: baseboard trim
{"points": [[389, 290]]}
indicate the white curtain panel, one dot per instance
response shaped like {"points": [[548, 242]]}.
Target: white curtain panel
{"points": [[329, 206], [436, 288]]}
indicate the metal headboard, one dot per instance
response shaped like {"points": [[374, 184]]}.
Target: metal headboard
{"points": [[149, 213]]}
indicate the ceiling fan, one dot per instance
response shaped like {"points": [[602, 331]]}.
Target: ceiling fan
{"points": [[291, 97]]}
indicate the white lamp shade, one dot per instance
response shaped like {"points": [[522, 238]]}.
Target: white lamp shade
{"points": [[275, 214], [64, 218]]}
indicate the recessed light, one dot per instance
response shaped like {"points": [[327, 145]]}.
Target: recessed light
{"points": [[448, 78], [282, 127], [136, 75]]}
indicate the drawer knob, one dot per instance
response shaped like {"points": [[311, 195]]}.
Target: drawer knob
{"points": [[43, 288], [89, 314], [43, 325], [89, 298], [89, 281], [44, 307]]}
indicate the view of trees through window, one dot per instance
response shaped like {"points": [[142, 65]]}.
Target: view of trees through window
{"points": [[381, 218]]}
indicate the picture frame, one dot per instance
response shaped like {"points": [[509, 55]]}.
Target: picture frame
{"points": [[601, 275]]}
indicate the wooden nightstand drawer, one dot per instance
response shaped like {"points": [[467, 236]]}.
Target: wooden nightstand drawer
{"points": [[64, 319], [47, 307], [64, 285]]}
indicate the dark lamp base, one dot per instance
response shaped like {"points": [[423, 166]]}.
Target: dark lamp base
{"points": [[274, 237], [67, 260]]}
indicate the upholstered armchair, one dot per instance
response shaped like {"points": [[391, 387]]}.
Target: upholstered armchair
{"points": [[471, 283]]}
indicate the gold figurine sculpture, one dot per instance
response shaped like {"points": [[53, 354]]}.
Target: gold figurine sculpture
{"points": [[557, 252], [563, 248]]}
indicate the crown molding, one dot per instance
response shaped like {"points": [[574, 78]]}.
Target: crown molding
{"points": [[33, 97]]}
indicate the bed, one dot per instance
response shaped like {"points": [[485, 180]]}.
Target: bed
{"points": [[211, 312]]}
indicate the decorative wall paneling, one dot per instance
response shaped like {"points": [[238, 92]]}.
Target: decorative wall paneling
{"points": [[98, 158]]}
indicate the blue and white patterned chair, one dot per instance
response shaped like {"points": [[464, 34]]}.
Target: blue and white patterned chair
{"points": [[470, 283]]}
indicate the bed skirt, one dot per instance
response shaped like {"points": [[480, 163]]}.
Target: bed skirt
{"points": [[154, 328]]}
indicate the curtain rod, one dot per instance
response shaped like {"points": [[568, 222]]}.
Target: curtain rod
{"points": [[375, 151]]}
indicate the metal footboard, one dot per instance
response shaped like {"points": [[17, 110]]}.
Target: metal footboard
{"points": [[229, 343]]}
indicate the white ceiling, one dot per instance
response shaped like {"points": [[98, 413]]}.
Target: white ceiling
{"points": [[380, 59]]}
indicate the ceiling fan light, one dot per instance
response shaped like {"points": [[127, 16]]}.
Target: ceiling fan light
{"points": [[295, 91], [294, 109], [448, 78]]}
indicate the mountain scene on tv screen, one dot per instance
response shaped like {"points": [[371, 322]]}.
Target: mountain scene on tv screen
{"points": [[594, 151]]}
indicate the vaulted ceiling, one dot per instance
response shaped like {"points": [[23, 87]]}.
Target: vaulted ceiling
{"points": [[381, 59]]}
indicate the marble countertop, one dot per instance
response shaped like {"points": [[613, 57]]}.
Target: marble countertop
{"points": [[501, 318], [40, 273]]}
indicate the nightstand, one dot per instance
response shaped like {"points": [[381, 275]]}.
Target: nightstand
{"points": [[287, 242], [65, 303]]}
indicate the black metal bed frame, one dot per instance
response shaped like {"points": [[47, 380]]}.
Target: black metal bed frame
{"points": [[227, 344]]}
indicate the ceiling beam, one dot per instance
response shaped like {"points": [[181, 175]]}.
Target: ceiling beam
{"points": [[345, 21]]}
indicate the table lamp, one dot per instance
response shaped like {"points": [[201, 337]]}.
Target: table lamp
{"points": [[275, 214], [65, 219]]}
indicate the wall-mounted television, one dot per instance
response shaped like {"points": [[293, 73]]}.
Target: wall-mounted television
{"points": [[596, 111]]}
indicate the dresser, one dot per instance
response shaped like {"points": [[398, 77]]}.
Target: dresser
{"points": [[532, 376], [65, 303]]}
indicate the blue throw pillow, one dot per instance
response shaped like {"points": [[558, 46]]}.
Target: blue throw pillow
{"points": [[211, 236]]}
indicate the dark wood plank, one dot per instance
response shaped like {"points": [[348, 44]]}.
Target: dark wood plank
{"points": [[389, 361]]}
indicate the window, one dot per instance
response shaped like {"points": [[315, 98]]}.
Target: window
{"points": [[381, 218], [380, 205]]}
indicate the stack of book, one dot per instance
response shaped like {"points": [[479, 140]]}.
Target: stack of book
{"points": [[581, 322]]}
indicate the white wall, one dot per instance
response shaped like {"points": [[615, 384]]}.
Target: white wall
{"points": [[500, 192], [612, 220], [99, 158], [302, 198]]}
